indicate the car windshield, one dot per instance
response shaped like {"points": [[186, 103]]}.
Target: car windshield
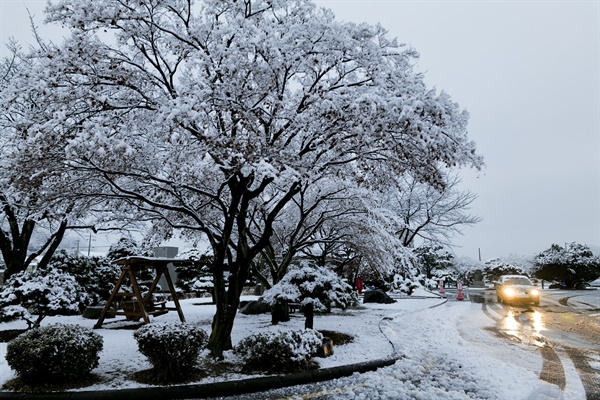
{"points": [[518, 281]]}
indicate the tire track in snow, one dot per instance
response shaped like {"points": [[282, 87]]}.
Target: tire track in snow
{"points": [[485, 310], [500, 309], [552, 368], [590, 378], [564, 301]]}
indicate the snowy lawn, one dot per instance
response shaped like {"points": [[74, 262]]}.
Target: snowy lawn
{"points": [[446, 353]]}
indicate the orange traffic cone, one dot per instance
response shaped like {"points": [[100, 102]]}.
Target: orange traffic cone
{"points": [[459, 287]]}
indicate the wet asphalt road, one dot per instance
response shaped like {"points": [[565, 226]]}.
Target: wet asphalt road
{"points": [[566, 329]]}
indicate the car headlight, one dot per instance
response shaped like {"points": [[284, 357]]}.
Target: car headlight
{"points": [[534, 292], [509, 292]]}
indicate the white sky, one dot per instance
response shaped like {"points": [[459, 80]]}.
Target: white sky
{"points": [[528, 73]]}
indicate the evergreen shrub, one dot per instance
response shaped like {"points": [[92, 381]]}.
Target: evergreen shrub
{"points": [[56, 352], [280, 351], [171, 348]]}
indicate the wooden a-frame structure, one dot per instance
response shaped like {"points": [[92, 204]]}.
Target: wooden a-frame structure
{"points": [[140, 307]]}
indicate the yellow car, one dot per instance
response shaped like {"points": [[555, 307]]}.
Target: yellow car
{"points": [[516, 289]]}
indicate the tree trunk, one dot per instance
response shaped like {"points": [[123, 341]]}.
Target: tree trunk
{"points": [[220, 336], [14, 244], [53, 243], [227, 302], [309, 313], [239, 269]]}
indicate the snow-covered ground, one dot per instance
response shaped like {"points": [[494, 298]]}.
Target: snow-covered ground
{"points": [[446, 351], [448, 354]]}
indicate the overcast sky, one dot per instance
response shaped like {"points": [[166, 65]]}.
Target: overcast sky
{"points": [[528, 73]]}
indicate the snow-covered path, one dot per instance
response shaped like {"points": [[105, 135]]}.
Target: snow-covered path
{"points": [[448, 354]]}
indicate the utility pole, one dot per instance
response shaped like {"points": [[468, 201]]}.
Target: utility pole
{"points": [[479, 253], [90, 244]]}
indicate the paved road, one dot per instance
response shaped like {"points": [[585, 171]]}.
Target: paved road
{"points": [[566, 329]]}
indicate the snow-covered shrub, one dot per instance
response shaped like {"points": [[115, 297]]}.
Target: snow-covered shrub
{"points": [[433, 283], [403, 275], [126, 247], [172, 348], [404, 285], [56, 352], [42, 292], [279, 351], [67, 285], [465, 269], [315, 288], [307, 284], [194, 272], [96, 275]]}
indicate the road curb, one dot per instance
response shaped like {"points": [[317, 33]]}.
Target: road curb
{"points": [[215, 389]]}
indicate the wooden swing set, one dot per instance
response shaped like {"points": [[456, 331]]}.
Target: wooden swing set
{"points": [[137, 306]]}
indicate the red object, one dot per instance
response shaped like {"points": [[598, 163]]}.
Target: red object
{"points": [[358, 282], [460, 295], [442, 291]]}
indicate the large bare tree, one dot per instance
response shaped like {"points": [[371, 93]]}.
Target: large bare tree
{"points": [[429, 213]]}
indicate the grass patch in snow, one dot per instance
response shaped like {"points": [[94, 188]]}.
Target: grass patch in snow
{"points": [[338, 338]]}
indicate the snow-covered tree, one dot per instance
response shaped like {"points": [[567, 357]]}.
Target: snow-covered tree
{"points": [[300, 228], [496, 267], [433, 260], [188, 112], [368, 244], [20, 228], [21, 223], [315, 288], [523, 262], [573, 264], [32, 225], [463, 269], [429, 213]]}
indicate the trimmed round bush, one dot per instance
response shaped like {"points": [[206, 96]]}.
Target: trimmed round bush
{"points": [[280, 351], [172, 348], [56, 352]]}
